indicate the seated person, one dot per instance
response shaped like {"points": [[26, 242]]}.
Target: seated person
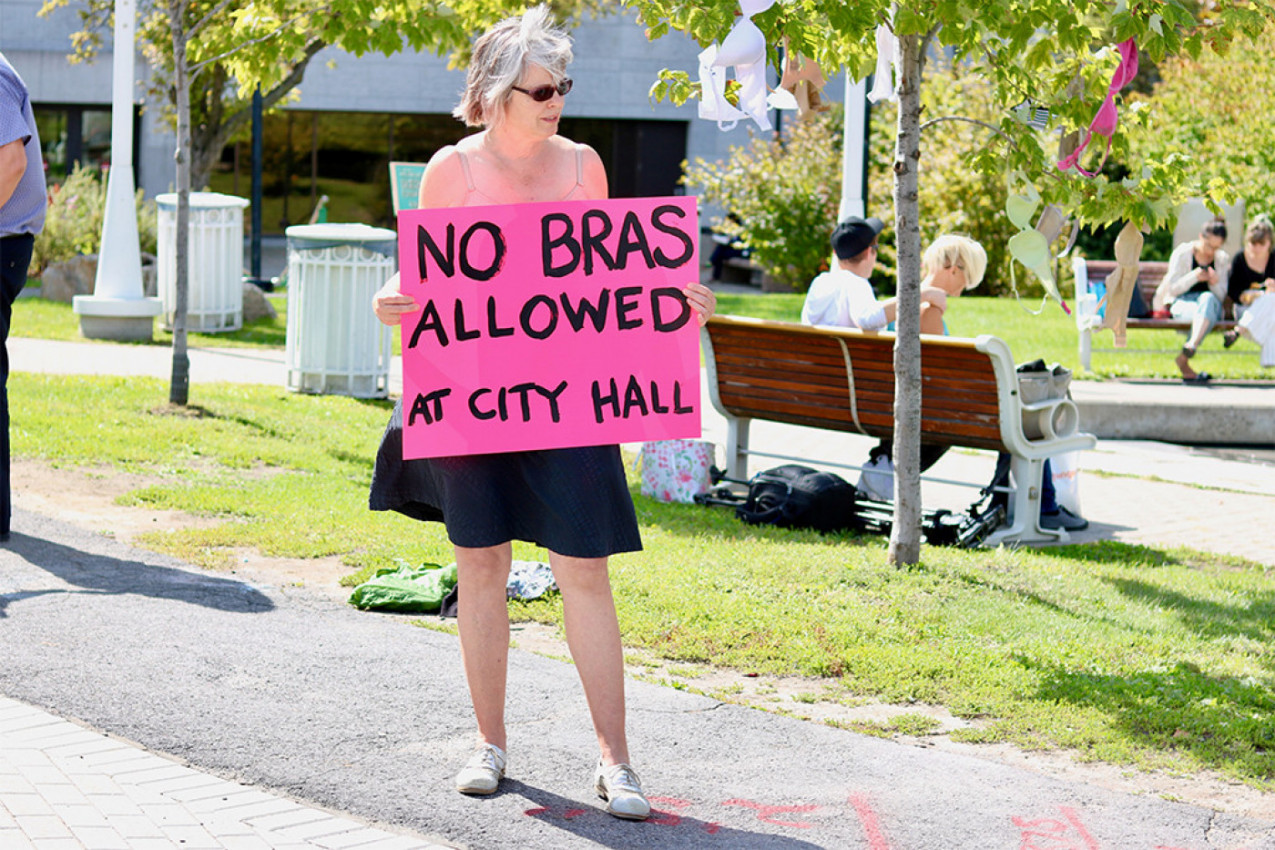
{"points": [[843, 297], [1252, 277], [951, 265], [1253, 270], [725, 248], [1194, 287]]}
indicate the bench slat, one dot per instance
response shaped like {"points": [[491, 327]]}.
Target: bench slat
{"points": [[776, 371]]}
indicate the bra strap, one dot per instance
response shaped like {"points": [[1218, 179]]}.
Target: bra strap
{"points": [[464, 166]]}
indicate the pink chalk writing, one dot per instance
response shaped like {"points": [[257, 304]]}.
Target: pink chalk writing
{"points": [[549, 325], [1067, 833], [766, 814], [868, 819]]}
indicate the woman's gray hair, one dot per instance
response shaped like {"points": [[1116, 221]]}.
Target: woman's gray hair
{"points": [[501, 56]]}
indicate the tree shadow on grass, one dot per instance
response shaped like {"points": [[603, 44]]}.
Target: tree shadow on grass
{"points": [[1123, 554], [1222, 722], [695, 520], [1251, 616]]}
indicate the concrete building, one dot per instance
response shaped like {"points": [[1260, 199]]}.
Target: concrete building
{"points": [[353, 115]]}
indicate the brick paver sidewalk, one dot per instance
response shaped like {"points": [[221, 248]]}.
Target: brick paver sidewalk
{"points": [[64, 787]]}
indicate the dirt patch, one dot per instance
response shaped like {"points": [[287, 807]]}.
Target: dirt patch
{"points": [[87, 498]]}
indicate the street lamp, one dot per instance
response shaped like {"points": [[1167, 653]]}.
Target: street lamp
{"points": [[118, 307]]}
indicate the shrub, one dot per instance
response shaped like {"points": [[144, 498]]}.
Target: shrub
{"points": [[784, 195], [73, 224]]}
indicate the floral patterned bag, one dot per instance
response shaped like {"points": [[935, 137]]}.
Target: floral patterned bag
{"points": [[676, 470]]}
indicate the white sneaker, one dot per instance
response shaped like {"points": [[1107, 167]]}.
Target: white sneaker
{"points": [[483, 772], [621, 788]]}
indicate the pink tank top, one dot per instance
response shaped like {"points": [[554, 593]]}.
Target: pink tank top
{"points": [[475, 198]]}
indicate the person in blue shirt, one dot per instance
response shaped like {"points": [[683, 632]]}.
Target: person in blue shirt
{"points": [[23, 199]]}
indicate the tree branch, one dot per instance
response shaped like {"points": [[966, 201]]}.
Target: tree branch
{"points": [[196, 68], [212, 13], [984, 124]]}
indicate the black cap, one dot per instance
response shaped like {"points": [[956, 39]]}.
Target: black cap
{"points": [[854, 234]]}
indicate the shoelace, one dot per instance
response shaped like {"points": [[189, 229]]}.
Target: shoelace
{"points": [[621, 777], [487, 758]]}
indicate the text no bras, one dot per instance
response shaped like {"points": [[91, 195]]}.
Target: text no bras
{"points": [[482, 249]]}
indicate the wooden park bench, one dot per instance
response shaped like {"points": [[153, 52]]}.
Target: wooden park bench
{"points": [[843, 380], [1090, 273]]}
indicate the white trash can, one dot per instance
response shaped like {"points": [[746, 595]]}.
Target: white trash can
{"points": [[214, 297], [335, 344]]}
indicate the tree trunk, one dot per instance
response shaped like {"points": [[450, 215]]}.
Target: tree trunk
{"points": [[905, 536], [179, 387]]}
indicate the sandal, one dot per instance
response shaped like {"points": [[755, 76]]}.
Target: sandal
{"points": [[1230, 338], [1198, 378]]}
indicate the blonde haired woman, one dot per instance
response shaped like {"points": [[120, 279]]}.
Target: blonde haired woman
{"points": [[573, 502], [951, 265]]}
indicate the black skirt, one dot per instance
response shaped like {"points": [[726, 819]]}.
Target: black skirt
{"points": [[573, 502]]}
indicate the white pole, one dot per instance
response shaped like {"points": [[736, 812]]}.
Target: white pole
{"points": [[118, 308], [119, 268], [852, 153]]}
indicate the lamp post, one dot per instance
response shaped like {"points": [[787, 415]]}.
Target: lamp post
{"points": [[854, 150], [118, 307]]}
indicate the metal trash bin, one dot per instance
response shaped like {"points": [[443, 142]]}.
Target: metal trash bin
{"points": [[214, 297], [335, 344]]}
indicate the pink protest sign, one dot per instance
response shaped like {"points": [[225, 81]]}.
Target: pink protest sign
{"points": [[549, 325]]}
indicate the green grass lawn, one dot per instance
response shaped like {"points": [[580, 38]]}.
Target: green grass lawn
{"points": [[37, 318], [1135, 655], [1050, 335]]}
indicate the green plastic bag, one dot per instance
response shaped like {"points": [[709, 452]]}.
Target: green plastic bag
{"points": [[408, 589]]}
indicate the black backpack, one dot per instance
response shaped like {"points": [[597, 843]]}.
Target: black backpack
{"points": [[794, 496]]}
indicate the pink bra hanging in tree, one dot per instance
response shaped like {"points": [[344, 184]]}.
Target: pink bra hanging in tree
{"points": [[1104, 123]]}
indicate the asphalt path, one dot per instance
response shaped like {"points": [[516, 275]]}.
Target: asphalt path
{"points": [[368, 714]]}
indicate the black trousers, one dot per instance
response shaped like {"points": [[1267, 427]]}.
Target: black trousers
{"points": [[15, 259]]}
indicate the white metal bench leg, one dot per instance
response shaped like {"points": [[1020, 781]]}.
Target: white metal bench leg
{"points": [[1023, 525], [737, 447]]}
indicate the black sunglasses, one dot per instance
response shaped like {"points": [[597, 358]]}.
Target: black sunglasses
{"points": [[542, 93]]}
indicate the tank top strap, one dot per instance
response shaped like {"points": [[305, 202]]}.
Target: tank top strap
{"points": [[464, 166]]}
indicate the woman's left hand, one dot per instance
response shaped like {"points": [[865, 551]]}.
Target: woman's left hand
{"points": [[702, 299]]}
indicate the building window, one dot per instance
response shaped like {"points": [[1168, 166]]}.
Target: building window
{"points": [[75, 135], [345, 157]]}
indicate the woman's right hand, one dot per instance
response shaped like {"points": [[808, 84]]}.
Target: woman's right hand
{"points": [[390, 305]]}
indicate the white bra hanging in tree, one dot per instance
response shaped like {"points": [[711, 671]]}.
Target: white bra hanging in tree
{"points": [[744, 48], [888, 60]]}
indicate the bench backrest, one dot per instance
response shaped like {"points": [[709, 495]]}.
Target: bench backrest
{"points": [[1150, 273], [843, 379]]}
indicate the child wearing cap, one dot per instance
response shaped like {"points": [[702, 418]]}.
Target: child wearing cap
{"points": [[843, 297]]}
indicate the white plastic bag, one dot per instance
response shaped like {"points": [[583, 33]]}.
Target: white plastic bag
{"points": [[877, 479], [1066, 471]]}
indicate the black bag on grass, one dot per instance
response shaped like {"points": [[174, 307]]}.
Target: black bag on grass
{"points": [[794, 496]]}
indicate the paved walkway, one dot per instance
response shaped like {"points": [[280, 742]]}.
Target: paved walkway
{"points": [[65, 787], [90, 631]]}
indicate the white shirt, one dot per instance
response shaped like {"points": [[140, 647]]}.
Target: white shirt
{"points": [[840, 298]]}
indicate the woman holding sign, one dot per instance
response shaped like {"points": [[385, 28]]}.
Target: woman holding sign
{"points": [[573, 502]]}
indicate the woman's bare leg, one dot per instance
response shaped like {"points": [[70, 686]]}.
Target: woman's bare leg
{"points": [[483, 621], [593, 635]]}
